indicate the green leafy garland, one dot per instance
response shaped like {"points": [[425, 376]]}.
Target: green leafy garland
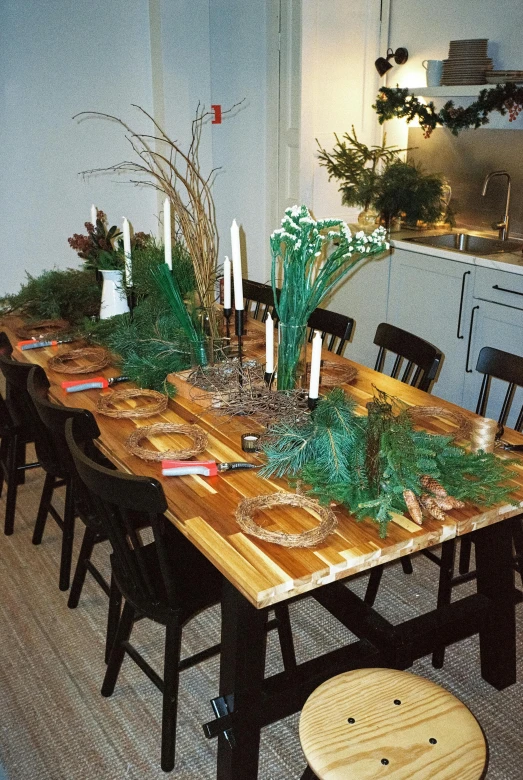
{"points": [[70, 294], [368, 463], [399, 103]]}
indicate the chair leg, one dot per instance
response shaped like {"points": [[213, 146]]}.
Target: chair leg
{"points": [[12, 487], [285, 636], [113, 618], [406, 564], [373, 585], [464, 554], [4, 454], [43, 509], [125, 627], [446, 573], [88, 542], [173, 637], [67, 538], [517, 536]]}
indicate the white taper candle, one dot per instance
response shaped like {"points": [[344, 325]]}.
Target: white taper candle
{"points": [[314, 384], [167, 232], [126, 230], [94, 213], [269, 345], [237, 266], [226, 283]]}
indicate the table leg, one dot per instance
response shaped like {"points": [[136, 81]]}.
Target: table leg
{"points": [[242, 668], [495, 579]]}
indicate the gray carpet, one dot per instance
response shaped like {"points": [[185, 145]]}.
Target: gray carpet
{"points": [[54, 725]]}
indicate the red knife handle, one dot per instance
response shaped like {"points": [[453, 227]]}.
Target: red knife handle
{"points": [[73, 383]]}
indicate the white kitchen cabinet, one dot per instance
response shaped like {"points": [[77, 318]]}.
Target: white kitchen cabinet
{"points": [[494, 324], [431, 297]]}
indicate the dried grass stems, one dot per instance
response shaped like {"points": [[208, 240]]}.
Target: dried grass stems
{"points": [[194, 432], [239, 389], [177, 174], [311, 538]]}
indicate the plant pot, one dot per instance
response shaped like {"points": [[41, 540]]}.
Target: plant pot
{"points": [[292, 356], [114, 297], [368, 217]]}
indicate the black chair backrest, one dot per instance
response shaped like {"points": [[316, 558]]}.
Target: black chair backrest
{"points": [[507, 367], [22, 409], [258, 298], [332, 324], [422, 358], [54, 417], [120, 500]]}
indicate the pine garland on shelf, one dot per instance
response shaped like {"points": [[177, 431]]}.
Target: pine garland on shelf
{"points": [[399, 103], [379, 464]]}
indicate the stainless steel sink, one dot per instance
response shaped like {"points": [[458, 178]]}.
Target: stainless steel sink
{"points": [[469, 245]]}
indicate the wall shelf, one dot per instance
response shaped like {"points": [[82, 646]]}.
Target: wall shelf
{"points": [[467, 90]]}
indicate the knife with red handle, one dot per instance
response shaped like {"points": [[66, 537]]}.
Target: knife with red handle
{"points": [[99, 382], [207, 468]]}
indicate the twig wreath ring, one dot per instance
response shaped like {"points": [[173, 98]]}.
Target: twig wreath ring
{"points": [[194, 432], [106, 402], [310, 538], [97, 358]]}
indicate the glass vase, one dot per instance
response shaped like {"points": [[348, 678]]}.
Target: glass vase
{"points": [[210, 346], [292, 356]]}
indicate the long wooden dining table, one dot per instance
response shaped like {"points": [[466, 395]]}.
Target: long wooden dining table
{"points": [[259, 575]]}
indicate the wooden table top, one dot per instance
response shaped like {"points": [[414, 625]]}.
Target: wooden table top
{"points": [[203, 508]]}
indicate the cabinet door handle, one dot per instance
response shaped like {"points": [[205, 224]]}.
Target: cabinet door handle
{"points": [[467, 369], [504, 289], [461, 305]]}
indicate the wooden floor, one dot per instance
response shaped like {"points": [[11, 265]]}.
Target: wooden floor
{"points": [[54, 724]]}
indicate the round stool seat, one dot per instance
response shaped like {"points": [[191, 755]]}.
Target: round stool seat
{"points": [[369, 724]]}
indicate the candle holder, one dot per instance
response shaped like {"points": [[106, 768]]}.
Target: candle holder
{"points": [[227, 314], [268, 378], [250, 442], [312, 403]]}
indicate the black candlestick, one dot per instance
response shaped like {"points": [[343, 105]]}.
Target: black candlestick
{"points": [[239, 322], [312, 403], [227, 314], [268, 378]]}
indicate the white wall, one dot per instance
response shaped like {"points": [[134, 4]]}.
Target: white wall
{"points": [[58, 58], [426, 28], [239, 73]]}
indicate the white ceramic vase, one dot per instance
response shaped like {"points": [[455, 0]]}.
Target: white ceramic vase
{"points": [[114, 298]]}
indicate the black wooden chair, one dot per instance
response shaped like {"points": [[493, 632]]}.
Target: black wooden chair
{"points": [[337, 326], [508, 369], [418, 358], [77, 501], [258, 299], [167, 581], [420, 361], [16, 433]]}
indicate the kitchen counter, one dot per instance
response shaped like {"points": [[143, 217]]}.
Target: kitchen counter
{"points": [[510, 261]]}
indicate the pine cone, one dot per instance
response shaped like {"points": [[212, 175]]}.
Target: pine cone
{"points": [[433, 486], [431, 504], [413, 506]]}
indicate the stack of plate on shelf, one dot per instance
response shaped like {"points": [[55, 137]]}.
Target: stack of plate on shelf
{"points": [[502, 76], [467, 63]]}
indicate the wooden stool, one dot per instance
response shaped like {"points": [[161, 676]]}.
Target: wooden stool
{"points": [[382, 723]]}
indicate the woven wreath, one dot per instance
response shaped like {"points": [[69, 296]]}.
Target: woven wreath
{"points": [[106, 402], [96, 357], [194, 432], [311, 538], [42, 329], [419, 413], [335, 374]]}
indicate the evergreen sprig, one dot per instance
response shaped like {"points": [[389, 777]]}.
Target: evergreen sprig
{"points": [[398, 102], [366, 463]]}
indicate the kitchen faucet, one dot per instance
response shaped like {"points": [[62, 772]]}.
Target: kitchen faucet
{"points": [[503, 224]]}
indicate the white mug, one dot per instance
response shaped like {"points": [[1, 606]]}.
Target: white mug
{"points": [[434, 70]]}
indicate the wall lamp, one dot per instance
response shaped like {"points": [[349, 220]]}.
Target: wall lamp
{"points": [[400, 58]]}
